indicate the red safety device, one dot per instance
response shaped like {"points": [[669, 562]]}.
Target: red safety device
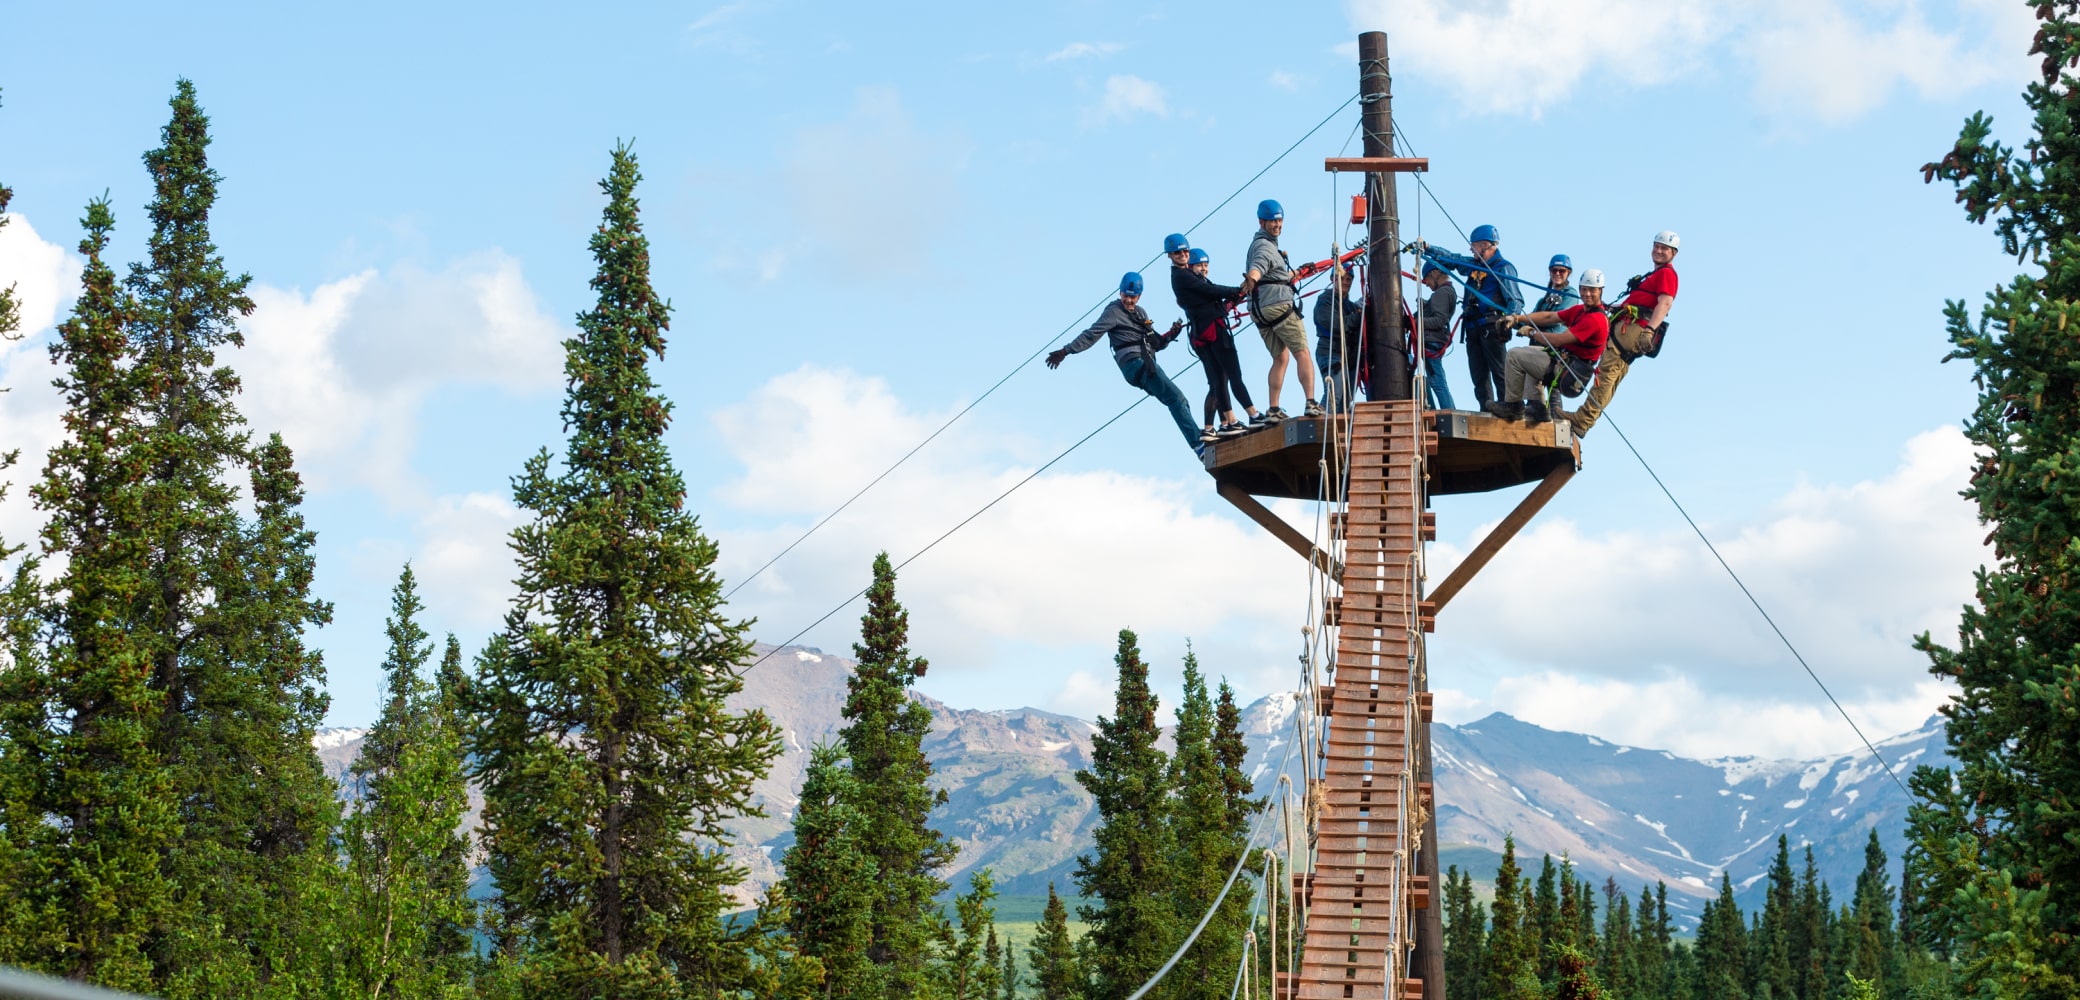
{"points": [[1357, 209]]}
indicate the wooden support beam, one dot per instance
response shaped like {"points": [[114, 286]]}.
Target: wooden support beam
{"points": [[1489, 546], [1377, 164], [1281, 530]]}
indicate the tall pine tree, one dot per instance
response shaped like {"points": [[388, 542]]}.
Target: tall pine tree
{"points": [[1509, 966], [1129, 874], [1722, 947], [1465, 933], [89, 808], [1210, 829], [883, 736], [407, 902], [831, 878], [1057, 974], [603, 740], [1772, 946], [221, 607], [2001, 835]]}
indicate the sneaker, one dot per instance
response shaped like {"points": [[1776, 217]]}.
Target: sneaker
{"points": [[1262, 419], [1534, 412], [1207, 436], [1201, 451], [1274, 415], [1231, 429], [1506, 411], [1314, 409]]}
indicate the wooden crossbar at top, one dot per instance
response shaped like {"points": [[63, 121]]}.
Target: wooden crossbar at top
{"points": [[1377, 164]]}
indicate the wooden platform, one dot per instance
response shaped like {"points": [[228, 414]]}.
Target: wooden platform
{"points": [[1474, 453]]}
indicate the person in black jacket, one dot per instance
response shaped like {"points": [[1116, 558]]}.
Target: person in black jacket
{"points": [[1205, 306]]}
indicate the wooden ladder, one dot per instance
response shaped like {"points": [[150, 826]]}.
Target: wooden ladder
{"points": [[1361, 898]]}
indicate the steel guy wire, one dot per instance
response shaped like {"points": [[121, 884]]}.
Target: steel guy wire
{"points": [[977, 401]]}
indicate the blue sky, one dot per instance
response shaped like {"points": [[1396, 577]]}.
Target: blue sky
{"points": [[866, 214]]}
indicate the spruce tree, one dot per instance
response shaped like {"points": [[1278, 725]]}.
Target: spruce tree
{"points": [[10, 308], [1133, 922], [1873, 955], [221, 608], [1772, 946], [1057, 975], [2000, 834], [1465, 932], [88, 799], [1616, 956], [1809, 951], [407, 883], [607, 753], [1544, 931], [1007, 975], [1507, 960], [967, 964], [831, 878], [1232, 750], [1211, 832], [1722, 947], [884, 737]]}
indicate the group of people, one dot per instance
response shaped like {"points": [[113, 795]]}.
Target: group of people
{"points": [[1576, 341]]}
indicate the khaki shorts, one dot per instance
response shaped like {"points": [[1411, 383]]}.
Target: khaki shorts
{"points": [[1288, 334]]}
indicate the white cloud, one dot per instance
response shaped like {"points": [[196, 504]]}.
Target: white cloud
{"points": [[873, 173], [1085, 696], [1126, 96], [718, 16], [1822, 59], [330, 370], [464, 564], [1283, 80], [46, 279], [1083, 50], [1851, 574]]}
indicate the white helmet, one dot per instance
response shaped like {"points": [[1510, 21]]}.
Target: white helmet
{"points": [[1592, 278], [1669, 239]]}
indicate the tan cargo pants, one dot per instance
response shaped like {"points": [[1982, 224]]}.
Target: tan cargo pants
{"points": [[1609, 372]]}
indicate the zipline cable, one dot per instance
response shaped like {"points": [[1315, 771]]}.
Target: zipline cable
{"points": [[1786, 640], [964, 521], [950, 421]]}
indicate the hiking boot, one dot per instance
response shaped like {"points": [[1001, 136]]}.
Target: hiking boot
{"points": [[1314, 409], [1507, 411], [1230, 429], [1534, 412]]}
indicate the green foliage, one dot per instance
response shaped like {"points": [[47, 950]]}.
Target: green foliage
{"points": [[1771, 945], [89, 809], [407, 907], [606, 751], [10, 308], [1007, 974], [1572, 980], [1996, 856], [968, 964], [1057, 973], [1507, 960], [1210, 830], [883, 738], [1617, 955], [1130, 875], [1465, 934], [832, 879], [1722, 946]]}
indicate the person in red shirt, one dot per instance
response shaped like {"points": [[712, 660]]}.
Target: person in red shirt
{"points": [[1556, 360], [1636, 328]]}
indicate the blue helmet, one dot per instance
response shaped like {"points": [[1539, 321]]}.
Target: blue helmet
{"points": [[1430, 269], [1130, 283], [1560, 260], [1198, 257], [1269, 211], [1484, 234], [1175, 242]]}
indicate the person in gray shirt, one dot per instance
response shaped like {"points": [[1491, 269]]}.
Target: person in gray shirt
{"points": [[1134, 341], [1437, 334], [1268, 286]]}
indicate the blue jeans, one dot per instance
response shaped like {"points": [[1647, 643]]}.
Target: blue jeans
{"points": [[1440, 393], [1331, 367], [1148, 377]]}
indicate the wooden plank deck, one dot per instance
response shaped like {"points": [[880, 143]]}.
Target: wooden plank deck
{"points": [[1474, 453]]}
